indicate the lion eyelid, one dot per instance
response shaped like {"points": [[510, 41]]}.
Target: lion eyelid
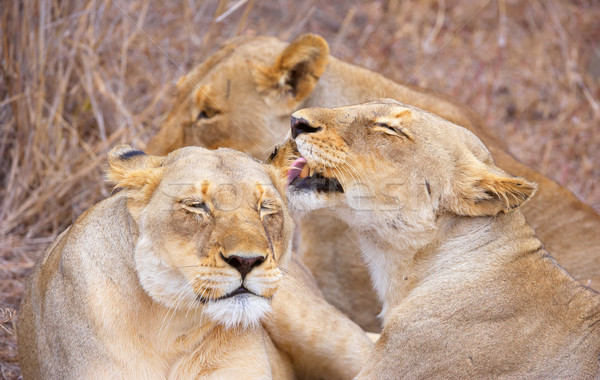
{"points": [[271, 206], [396, 130], [268, 207], [195, 205]]}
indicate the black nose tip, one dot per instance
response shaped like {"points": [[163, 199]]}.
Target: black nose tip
{"points": [[244, 264], [300, 126]]}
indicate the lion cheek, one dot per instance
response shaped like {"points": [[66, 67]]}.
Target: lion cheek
{"points": [[158, 280]]}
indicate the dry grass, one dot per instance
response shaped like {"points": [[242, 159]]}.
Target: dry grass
{"points": [[78, 77]]}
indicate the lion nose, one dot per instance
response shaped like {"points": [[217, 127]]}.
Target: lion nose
{"points": [[300, 126], [243, 264]]}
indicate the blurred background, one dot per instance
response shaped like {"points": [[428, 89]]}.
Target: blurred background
{"points": [[78, 77]]}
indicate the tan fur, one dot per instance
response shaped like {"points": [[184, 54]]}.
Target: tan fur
{"points": [[254, 110], [468, 290], [131, 289]]}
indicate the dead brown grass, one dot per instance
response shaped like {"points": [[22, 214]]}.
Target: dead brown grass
{"points": [[78, 77]]}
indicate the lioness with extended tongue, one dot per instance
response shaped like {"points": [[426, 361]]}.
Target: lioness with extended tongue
{"points": [[467, 288]]}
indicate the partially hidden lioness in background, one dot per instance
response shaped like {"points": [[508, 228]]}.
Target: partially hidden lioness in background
{"points": [[242, 97], [468, 290], [172, 277]]}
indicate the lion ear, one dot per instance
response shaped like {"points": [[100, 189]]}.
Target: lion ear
{"points": [[133, 169], [486, 190], [298, 68]]}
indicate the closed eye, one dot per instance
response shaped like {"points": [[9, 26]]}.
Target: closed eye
{"points": [[268, 207], [196, 206], [391, 130]]}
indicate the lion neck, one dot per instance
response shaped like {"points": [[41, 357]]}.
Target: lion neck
{"points": [[460, 250], [343, 83]]}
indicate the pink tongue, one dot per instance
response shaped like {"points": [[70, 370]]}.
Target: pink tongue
{"points": [[296, 169]]}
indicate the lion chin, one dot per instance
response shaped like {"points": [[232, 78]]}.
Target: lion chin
{"points": [[242, 311]]}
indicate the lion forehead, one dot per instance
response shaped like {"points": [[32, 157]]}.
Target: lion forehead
{"points": [[225, 177]]}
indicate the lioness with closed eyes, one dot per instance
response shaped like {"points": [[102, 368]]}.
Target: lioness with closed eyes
{"points": [[468, 290], [175, 277]]}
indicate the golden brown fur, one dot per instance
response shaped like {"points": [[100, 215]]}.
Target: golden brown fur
{"points": [[468, 290], [137, 287], [242, 97]]}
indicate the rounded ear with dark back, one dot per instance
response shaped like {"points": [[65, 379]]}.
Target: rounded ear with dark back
{"points": [[297, 69], [134, 171]]}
